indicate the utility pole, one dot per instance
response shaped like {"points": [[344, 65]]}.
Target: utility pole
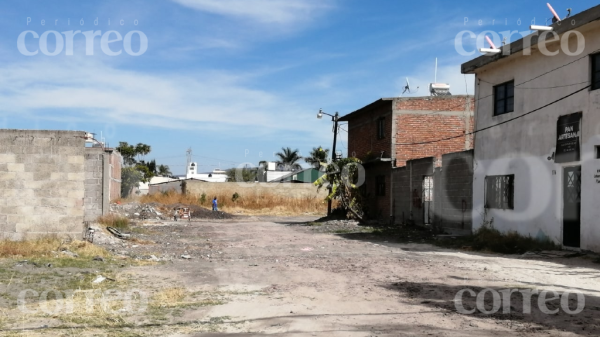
{"points": [[333, 155], [334, 119]]}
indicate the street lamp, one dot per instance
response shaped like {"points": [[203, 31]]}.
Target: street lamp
{"points": [[334, 119]]}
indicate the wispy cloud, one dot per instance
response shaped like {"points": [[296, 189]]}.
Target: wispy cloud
{"points": [[85, 89], [262, 11]]}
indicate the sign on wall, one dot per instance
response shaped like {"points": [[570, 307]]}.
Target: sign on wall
{"points": [[568, 132]]}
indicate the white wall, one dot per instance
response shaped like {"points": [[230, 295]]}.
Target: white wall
{"points": [[521, 147]]}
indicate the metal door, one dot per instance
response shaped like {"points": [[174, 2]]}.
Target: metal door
{"points": [[427, 199], [572, 206]]}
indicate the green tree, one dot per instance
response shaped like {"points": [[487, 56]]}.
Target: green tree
{"points": [[246, 174], [318, 157], [135, 169], [164, 170], [127, 152], [345, 177], [130, 178], [288, 159]]}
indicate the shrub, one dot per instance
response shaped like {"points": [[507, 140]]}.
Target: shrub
{"points": [[202, 198], [235, 197]]}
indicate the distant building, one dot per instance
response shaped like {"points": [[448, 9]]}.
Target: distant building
{"points": [[216, 176], [272, 172], [309, 175]]}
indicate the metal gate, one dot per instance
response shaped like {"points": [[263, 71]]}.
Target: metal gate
{"points": [[427, 199], [572, 206]]}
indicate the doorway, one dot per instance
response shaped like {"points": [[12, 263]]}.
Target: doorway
{"points": [[427, 199], [572, 206]]}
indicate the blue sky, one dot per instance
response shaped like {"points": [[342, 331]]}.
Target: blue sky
{"points": [[235, 80]]}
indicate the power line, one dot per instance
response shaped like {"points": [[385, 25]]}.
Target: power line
{"points": [[504, 122]]}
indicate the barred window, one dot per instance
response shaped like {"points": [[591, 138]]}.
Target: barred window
{"points": [[381, 128], [500, 192]]}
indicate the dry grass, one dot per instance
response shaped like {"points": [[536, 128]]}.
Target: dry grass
{"points": [[48, 246], [113, 220], [246, 203], [168, 298]]}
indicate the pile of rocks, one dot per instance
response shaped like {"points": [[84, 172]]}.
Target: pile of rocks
{"points": [[135, 210]]}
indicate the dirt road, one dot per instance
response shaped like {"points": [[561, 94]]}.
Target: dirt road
{"points": [[283, 278], [293, 277]]}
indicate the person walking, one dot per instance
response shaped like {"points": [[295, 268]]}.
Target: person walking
{"points": [[175, 214], [214, 204]]}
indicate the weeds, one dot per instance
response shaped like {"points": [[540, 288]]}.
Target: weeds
{"points": [[48, 246], [487, 238], [234, 202], [113, 220]]}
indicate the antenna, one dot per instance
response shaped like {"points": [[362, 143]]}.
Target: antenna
{"points": [[408, 89], [435, 78], [555, 19], [189, 157]]}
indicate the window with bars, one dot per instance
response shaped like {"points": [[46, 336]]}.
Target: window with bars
{"points": [[380, 185], [381, 128], [595, 71], [500, 192], [504, 98]]}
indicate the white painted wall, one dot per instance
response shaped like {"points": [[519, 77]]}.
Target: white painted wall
{"points": [[522, 147]]}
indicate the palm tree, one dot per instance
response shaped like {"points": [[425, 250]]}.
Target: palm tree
{"points": [[288, 159], [318, 157], [163, 170]]}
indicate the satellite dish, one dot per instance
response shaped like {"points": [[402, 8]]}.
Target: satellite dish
{"points": [[407, 88]]}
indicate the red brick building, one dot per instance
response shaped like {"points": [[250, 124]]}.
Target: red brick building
{"points": [[390, 131]]}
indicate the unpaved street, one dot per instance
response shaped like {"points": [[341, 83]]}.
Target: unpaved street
{"points": [[278, 276]]}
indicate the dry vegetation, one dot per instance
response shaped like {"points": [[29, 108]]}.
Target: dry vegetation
{"points": [[48, 246], [266, 204]]}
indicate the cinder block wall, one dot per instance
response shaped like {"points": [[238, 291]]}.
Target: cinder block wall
{"points": [[452, 195], [93, 196], [291, 190], [456, 193], [41, 182]]}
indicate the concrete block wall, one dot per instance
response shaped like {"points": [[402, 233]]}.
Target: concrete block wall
{"points": [[291, 190], [456, 191], [41, 182], [174, 186], [452, 195], [94, 184]]}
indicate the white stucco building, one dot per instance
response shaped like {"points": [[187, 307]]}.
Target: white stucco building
{"points": [[216, 176], [537, 148]]}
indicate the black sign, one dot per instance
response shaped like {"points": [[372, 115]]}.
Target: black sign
{"points": [[567, 138]]}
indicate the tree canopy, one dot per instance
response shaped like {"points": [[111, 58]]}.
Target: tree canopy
{"points": [[317, 157], [288, 159]]}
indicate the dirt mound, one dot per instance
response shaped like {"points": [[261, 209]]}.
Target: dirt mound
{"points": [[136, 210]]}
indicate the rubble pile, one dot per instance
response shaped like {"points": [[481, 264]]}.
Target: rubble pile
{"points": [[156, 211]]}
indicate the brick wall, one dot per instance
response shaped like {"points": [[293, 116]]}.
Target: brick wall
{"points": [[427, 119], [408, 120], [362, 132], [377, 206], [114, 162], [41, 183], [415, 128]]}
